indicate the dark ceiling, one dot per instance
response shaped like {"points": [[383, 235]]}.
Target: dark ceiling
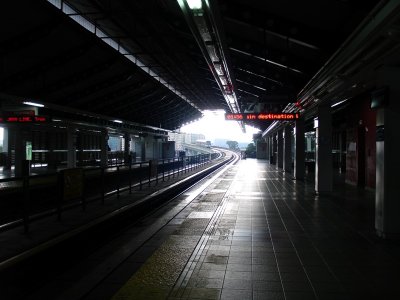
{"points": [[144, 65]]}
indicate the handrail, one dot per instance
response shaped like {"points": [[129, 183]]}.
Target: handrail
{"points": [[165, 167]]}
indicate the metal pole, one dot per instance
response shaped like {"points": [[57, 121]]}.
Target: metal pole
{"points": [[140, 176], [26, 203], [157, 173], [173, 168], [102, 185], [163, 167], [118, 181], [169, 171], [83, 198], [60, 195], [150, 165], [130, 177]]}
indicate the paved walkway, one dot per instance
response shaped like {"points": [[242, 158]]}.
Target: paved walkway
{"points": [[254, 233], [267, 237]]}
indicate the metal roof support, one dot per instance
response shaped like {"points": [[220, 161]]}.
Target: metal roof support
{"points": [[117, 45], [204, 22], [366, 35]]}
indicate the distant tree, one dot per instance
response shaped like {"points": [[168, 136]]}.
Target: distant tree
{"points": [[233, 145], [251, 150]]}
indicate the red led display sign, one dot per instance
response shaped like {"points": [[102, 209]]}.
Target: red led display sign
{"points": [[23, 119], [262, 117]]}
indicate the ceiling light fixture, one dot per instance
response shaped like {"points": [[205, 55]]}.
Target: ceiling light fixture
{"points": [[338, 103], [33, 104], [194, 4]]}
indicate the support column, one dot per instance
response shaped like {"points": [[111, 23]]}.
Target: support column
{"points": [[71, 146], [323, 151], [268, 149], [132, 147], [149, 141], [157, 146], [274, 138], [387, 204], [138, 148], [19, 151], [261, 150], [104, 148], [287, 149], [127, 148], [79, 147], [279, 150], [299, 157], [7, 142], [51, 145], [143, 154]]}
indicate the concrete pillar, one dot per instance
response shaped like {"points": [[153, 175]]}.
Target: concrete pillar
{"points": [[272, 139], [138, 148], [287, 148], [387, 204], [127, 147], [279, 149], [323, 151], [132, 148], [144, 148], [157, 148], [19, 151], [266, 140], [261, 150], [341, 158], [71, 146], [79, 147], [104, 148], [299, 162], [274, 147], [51, 145], [7, 142]]}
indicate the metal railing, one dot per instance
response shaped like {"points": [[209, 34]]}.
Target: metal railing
{"points": [[27, 198]]}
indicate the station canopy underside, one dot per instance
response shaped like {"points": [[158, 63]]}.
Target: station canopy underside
{"points": [[141, 60]]}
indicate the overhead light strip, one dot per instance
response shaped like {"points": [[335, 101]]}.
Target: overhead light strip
{"points": [[249, 93], [265, 60], [33, 104], [259, 75], [340, 102], [249, 84]]}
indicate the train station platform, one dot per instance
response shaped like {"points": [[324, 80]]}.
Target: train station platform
{"points": [[251, 232]]}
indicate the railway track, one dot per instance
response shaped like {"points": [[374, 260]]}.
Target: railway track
{"points": [[17, 272]]}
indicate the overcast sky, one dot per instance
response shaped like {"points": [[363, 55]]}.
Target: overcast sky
{"points": [[213, 126]]}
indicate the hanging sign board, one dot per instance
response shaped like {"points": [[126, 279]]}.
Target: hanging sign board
{"points": [[262, 117], [21, 119]]}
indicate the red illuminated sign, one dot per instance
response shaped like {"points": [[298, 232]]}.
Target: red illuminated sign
{"points": [[262, 117], [23, 119]]}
